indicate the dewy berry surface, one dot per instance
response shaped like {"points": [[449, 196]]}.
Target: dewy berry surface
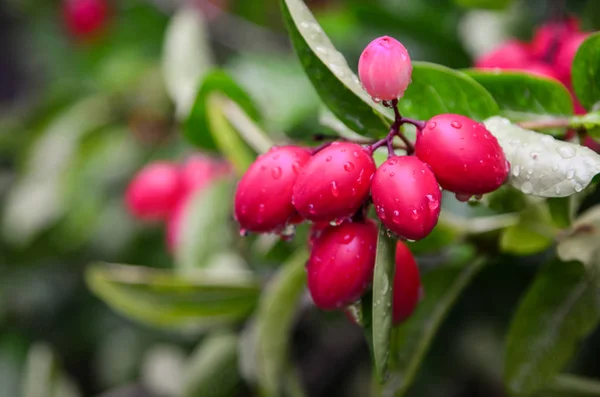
{"points": [[154, 191], [464, 156], [407, 197], [263, 199], [407, 284], [340, 267], [385, 69], [334, 183]]}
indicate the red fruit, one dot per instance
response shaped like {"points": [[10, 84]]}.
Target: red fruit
{"points": [[340, 267], [334, 183], [548, 37], [511, 55], [154, 191], [464, 156], [85, 18], [566, 54], [263, 199], [406, 197], [384, 68], [407, 284]]}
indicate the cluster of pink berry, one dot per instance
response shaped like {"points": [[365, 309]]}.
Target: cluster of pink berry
{"points": [[161, 190], [333, 185], [550, 53]]}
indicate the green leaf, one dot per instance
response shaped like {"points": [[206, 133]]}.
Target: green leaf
{"points": [[541, 165], [186, 57], [586, 72], [532, 234], [522, 96], [411, 340], [206, 228], [383, 282], [436, 89], [486, 4], [197, 128], [43, 375], [336, 84], [212, 369], [274, 321], [590, 122], [557, 312], [561, 211], [580, 242], [163, 299]]}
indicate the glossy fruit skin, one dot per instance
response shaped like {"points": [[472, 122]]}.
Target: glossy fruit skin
{"points": [[154, 191], [263, 199], [385, 69], [464, 156], [407, 285], [341, 263], [334, 183], [406, 197], [85, 18], [511, 55]]}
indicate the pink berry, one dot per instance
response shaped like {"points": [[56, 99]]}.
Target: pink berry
{"points": [[511, 55], [464, 156], [198, 171], [384, 68], [566, 55], [548, 37], [334, 183], [406, 197], [85, 18], [263, 199], [407, 284], [340, 267], [154, 191]]}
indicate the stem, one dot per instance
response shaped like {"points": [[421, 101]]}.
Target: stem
{"points": [[573, 383], [543, 124], [417, 123], [320, 147], [398, 121]]}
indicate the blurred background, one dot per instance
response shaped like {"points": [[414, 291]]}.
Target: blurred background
{"points": [[85, 105]]}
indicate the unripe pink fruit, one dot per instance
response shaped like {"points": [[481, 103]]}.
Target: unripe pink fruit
{"points": [[551, 35], [407, 284], [406, 197], [464, 156], [566, 55], [334, 183], [263, 199], [340, 267], [85, 18], [154, 191], [511, 55], [385, 69]]}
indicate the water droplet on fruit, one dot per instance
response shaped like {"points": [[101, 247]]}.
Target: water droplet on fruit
{"points": [[385, 285], [243, 233], [349, 167], [376, 100], [353, 191], [462, 197], [433, 203], [276, 173], [296, 167], [355, 154], [578, 187], [557, 190], [396, 217], [527, 188], [571, 174], [566, 152], [328, 158], [311, 209], [392, 162], [432, 125], [392, 174], [334, 189], [478, 197], [456, 124], [414, 215], [516, 170]]}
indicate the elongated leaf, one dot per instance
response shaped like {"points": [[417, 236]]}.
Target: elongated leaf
{"points": [[163, 299], [212, 371], [532, 234], [557, 312], [586, 72], [541, 165], [383, 282], [336, 84], [206, 229], [436, 89], [411, 340], [197, 128], [186, 57], [44, 376], [521, 96], [274, 321]]}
